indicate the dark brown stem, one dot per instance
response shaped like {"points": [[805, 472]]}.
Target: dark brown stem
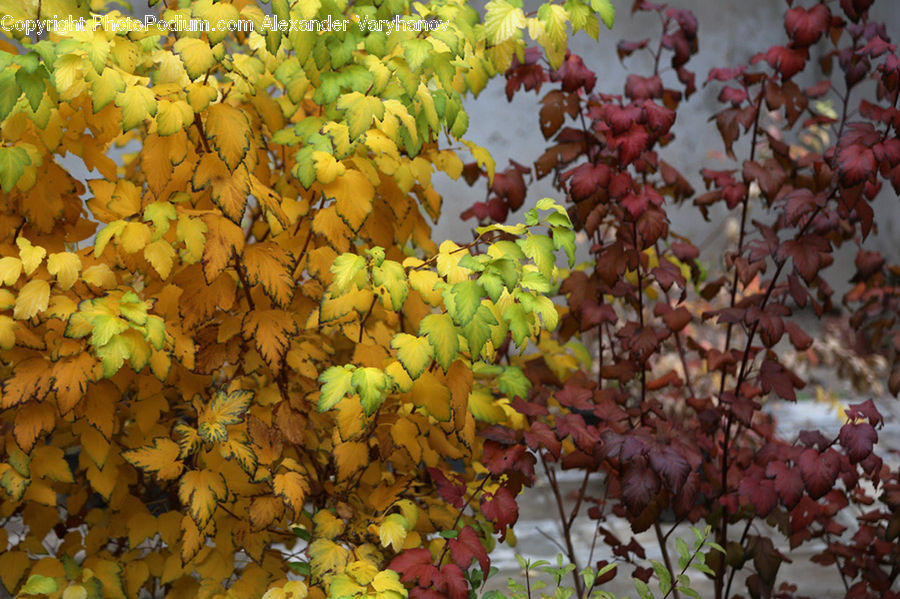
{"points": [[242, 276], [566, 529]]}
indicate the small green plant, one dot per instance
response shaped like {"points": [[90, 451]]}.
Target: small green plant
{"points": [[668, 582]]}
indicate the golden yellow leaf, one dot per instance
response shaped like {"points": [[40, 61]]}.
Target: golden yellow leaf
{"points": [[134, 236], [326, 556], [75, 591], [349, 457], [10, 269], [160, 458], [65, 266], [388, 581], [406, 434], [392, 531], [32, 419], [99, 275], [48, 461], [229, 132], [328, 223], [7, 332], [201, 490], [13, 565], [33, 298], [327, 525], [31, 255], [141, 525], [429, 393], [292, 487], [228, 189], [353, 195], [327, 168], [363, 571], [161, 255]]}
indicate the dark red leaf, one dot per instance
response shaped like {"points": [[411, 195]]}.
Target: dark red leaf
{"points": [[788, 482], [639, 485], [865, 410], [671, 467], [466, 547], [501, 509], [856, 163], [819, 471], [805, 27], [455, 579], [858, 439], [451, 492], [760, 493], [542, 435], [414, 563], [643, 88]]}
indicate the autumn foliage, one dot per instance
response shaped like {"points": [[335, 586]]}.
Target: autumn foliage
{"points": [[235, 364], [670, 419]]}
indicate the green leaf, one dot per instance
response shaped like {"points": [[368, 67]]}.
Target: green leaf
{"points": [[664, 576], [466, 301], [689, 592], [519, 323], [9, 93], [13, 161], [392, 276], [564, 239], [414, 353], [478, 331], [113, 355], [502, 20], [642, 589], [540, 249], [33, 84], [370, 384], [359, 111], [337, 383], [345, 269], [606, 10], [683, 552], [39, 585], [514, 383], [442, 336]]}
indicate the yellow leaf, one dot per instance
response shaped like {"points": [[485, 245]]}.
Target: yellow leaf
{"points": [[332, 228], [191, 231], [327, 168], [353, 194], [48, 461], [13, 565], [326, 556], [10, 269], [160, 254], [448, 262], [31, 255], [75, 591], [99, 275], [201, 490], [429, 393], [388, 581], [137, 103], [350, 457], [197, 56], [393, 531], [65, 266], [229, 133], [363, 571], [160, 458], [292, 488], [33, 298], [8, 328], [173, 116], [327, 525], [141, 526], [483, 158], [135, 236]]}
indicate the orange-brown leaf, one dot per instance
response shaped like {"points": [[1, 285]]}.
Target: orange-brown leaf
{"points": [[71, 376], [268, 264], [31, 378], [350, 457], [264, 510], [223, 238], [292, 488], [32, 419], [161, 458], [229, 190], [271, 332]]}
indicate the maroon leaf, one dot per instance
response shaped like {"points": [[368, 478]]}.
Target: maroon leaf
{"points": [[760, 493], [626, 48], [413, 564], [671, 467], [501, 509], [451, 492], [805, 27], [788, 482], [806, 253], [856, 163], [866, 410], [643, 88], [455, 579], [858, 439], [639, 485], [819, 471]]}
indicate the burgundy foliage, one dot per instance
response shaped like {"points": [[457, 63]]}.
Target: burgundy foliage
{"points": [[689, 441]]}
